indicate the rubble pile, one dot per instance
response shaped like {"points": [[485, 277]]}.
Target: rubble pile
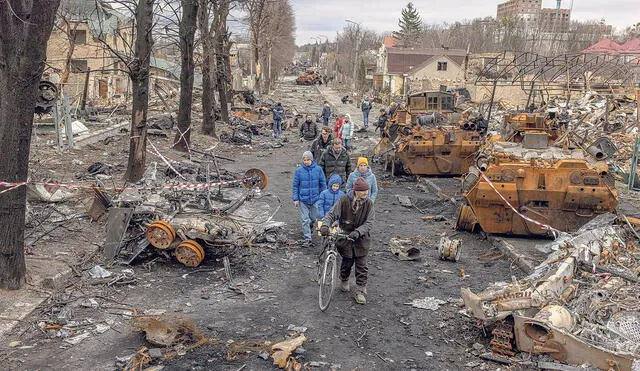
{"points": [[188, 219], [579, 306]]}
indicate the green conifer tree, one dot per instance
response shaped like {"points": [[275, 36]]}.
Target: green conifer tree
{"points": [[410, 27]]}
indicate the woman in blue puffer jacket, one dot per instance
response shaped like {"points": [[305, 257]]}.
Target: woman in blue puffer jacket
{"points": [[330, 196], [308, 183]]}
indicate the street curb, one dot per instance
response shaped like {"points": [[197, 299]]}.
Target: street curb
{"points": [[509, 250]]}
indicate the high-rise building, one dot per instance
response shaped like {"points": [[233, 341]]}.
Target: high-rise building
{"points": [[532, 11]]}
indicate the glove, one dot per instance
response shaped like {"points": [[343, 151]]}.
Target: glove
{"points": [[324, 230], [354, 235]]}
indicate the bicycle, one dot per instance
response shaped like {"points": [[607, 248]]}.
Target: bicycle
{"points": [[329, 267]]}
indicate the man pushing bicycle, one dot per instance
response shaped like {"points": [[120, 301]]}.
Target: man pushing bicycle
{"points": [[354, 213]]}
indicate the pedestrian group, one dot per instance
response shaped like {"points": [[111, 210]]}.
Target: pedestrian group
{"points": [[326, 189]]}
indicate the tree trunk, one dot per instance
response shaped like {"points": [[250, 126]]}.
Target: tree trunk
{"points": [[220, 50], [64, 76], [139, 73], [208, 96], [187, 32], [25, 27]]}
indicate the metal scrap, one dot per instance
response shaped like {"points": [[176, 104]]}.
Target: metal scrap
{"points": [[579, 305]]}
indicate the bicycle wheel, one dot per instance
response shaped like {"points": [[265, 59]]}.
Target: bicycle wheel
{"points": [[327, 281]]}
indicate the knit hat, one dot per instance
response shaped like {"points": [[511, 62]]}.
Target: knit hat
{"points": [[362, 160], [346, 115], [307, 154], [360, 185]]}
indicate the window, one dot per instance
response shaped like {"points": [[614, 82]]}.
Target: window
{"points": [[79, 37], [78, 65], [432, 103], [442, 66]]}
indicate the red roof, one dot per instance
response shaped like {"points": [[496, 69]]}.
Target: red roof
{"points": [[604, 46], [632, 46], [389, 41]]}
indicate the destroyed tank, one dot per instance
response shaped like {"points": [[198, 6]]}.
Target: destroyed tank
{"points": [[424, 137], [308, 78], [522, 185]]}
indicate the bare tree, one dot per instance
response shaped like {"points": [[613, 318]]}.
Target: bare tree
{"points": [[278, 36], [25, 27], [139, 74], [221, 47], [207, 33], [257, 22], [187, 35]]}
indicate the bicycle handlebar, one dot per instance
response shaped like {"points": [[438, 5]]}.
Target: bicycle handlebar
{"points": [[338, 235]]}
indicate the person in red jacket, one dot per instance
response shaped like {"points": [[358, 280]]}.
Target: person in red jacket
{"points": [[337, 128]]}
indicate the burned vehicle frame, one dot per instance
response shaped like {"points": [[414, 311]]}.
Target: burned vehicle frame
{"points": [[423, 137]]}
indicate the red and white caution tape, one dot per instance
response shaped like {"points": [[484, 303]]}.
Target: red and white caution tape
{"points": [[165, 160], [12, 186], [542, 225], [160, 156]]}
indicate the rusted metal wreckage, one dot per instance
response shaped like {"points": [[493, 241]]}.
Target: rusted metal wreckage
{"points": [[527, 182], [580, 306], [186, 221], [423, 137], [309, 78]]}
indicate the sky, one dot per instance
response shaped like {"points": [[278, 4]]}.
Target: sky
{"points": [[323, 18]]}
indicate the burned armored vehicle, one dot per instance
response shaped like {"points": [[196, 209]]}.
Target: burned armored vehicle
{"points": [[308, 78], [427, 137], [531, 185]]}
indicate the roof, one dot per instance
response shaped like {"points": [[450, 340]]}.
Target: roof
{"points": [[402, 60], [632, 46], [389, 41], [604, 46], [102, 18], [173, 69]]}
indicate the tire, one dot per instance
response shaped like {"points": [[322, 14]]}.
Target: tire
{"points": [[327, 281]]}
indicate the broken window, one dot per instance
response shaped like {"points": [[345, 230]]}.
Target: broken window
{"points": [[417, 102], [79, 37], [442, 66], [78, 65]]}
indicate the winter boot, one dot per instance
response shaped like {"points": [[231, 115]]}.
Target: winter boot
{"points": [[344, 286], [361, 291]]}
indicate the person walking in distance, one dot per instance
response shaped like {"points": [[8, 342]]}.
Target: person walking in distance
{"points": [[347, 131], [335, 160], [308, 129], [326, 113], [354, 213], [321, 143], [337, 127], [278, 116], [308, 183], [363, 171], [366, 108], [382, 121]]}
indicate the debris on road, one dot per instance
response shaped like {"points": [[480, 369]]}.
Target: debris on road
{"points": [[579, 305], [282, 353], [167, 331], [403, 249], [450, 249], [427, 303]]}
